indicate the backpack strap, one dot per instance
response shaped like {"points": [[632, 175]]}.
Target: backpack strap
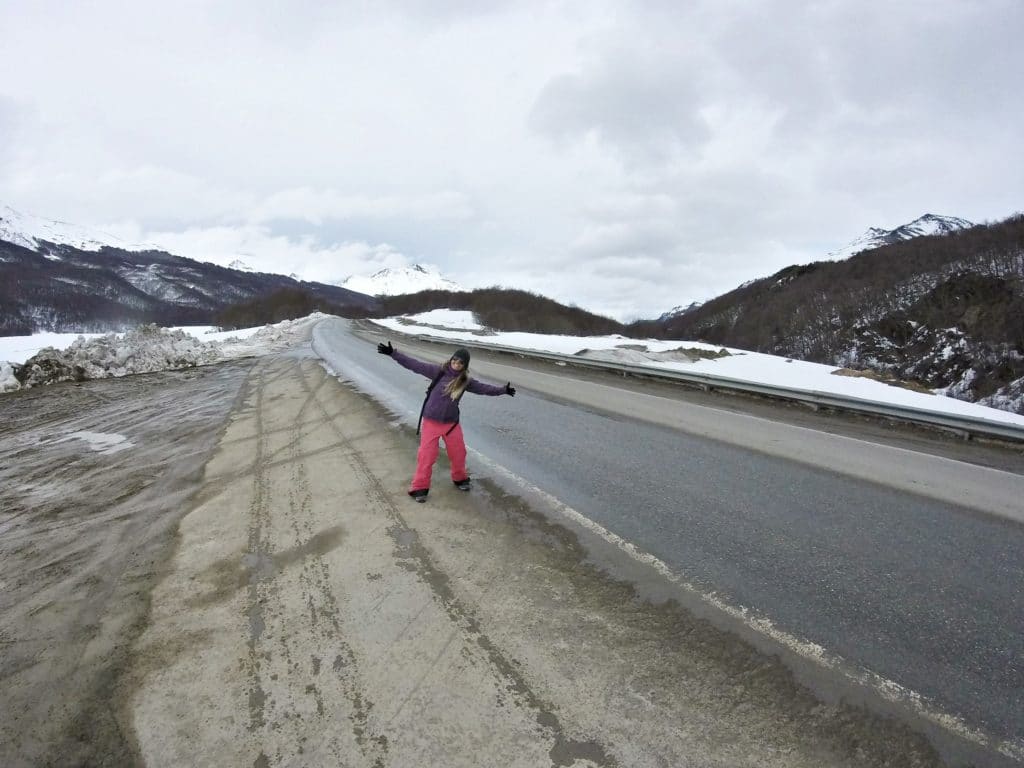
{"points": [[453, 426], [430, 389]]}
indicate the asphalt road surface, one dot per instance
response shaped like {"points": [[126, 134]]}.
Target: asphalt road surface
{"points": [[221, 567], [906, 565]]}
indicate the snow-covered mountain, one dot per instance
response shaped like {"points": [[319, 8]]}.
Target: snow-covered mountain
{"points": [[61, 277], [679, 310], [929, 224], [31, 232], [942, 311], [395, 281], [241, 266]]}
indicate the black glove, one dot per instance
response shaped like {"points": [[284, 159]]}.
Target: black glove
{"points": [[385, 349], [509, 389]]}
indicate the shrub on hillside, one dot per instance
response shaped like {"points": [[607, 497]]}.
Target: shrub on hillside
{"points": [[505, 309], [285, 304]]}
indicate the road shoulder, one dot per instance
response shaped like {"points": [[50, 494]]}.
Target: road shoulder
{"points": [[313, 615]]}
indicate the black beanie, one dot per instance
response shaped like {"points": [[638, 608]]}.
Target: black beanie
{"points": [[463, 355]]}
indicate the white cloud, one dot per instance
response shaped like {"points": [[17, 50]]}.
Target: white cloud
{"points": [[317, 206], [264, 251], [625, 156]]}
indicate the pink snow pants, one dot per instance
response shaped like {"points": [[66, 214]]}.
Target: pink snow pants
{"points": [[430, 432]]}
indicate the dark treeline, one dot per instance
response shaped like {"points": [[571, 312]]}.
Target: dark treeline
{"points": [[498, 308], [504, 309], [285, 304]]}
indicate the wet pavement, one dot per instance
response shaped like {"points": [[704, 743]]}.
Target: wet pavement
{"points": [[314, 615], [221, 566], [924, 600], [94, 478]]}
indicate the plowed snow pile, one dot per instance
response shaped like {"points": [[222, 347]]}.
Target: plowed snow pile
{"points": [[145, 350]]}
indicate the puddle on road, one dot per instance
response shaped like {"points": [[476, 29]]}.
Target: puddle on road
{"points": [[101, 442]]}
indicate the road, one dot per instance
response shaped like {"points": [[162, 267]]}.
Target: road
{"points": [[313, 615], [904, 564], [222, 567]]}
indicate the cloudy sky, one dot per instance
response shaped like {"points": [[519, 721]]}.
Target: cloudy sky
{"points": [[624, 157]]}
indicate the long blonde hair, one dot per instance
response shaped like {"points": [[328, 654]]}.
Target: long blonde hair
{"points": [[457, 386]]}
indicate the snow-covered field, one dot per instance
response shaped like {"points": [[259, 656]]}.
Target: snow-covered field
{"points": [[752, 367], [49, 357]]}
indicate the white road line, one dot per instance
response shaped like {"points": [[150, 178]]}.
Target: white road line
{"points": [[887, 689]]}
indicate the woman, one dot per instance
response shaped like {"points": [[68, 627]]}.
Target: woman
{"points": [[440, 414]]}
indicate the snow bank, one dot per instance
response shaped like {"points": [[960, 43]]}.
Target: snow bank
{"points": [[148, 349], [143, 350], [7, 380], [699, 357]]}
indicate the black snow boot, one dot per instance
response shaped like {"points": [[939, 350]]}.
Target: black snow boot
{"points": [[419, 495], [462, 485]]}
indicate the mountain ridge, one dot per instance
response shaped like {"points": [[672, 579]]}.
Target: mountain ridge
{"points": [[943, 310], [34, 232], [59, 287], [923, 226]]}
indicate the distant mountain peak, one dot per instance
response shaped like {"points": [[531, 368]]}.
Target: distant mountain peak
{"points": [[680, 310], [393, 281], [240, 266], [875, 237], [31, 231]]}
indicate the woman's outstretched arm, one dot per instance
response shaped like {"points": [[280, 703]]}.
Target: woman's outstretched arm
{"points": [[407, 361], [478, 387]]}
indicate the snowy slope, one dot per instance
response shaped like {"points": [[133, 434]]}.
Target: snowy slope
{"points": [[874, 237], [396, 281], [28, 231], [694, 356]]}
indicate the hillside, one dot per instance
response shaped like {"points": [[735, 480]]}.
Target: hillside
{"points": [[60, 287], [504, 309], [945, 310]]}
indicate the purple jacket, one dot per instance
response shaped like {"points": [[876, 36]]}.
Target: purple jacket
{"points": [[440, 407]]}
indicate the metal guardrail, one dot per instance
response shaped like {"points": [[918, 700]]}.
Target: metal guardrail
{"points": [[966, 426]]}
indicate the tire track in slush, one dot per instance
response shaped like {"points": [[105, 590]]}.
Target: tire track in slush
{"points": [[300, 507], [258, 560], [256, 553], [414, 556], [319, 597]]}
